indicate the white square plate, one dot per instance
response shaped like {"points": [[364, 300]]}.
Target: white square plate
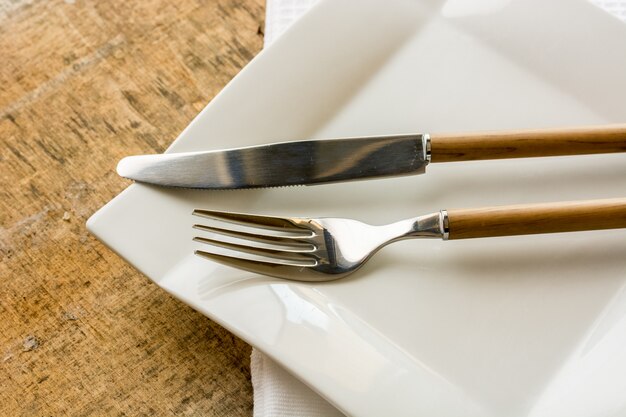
{"points": [[522, 326]]}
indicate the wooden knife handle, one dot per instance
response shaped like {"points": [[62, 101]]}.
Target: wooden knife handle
{"points": [[527, 143], [537, 218]]}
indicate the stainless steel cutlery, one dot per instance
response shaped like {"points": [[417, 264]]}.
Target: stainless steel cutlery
{"points": [[325, 249], [311, 162]]}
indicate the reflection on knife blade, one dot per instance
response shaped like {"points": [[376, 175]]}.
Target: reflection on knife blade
{"points": [[280, 164]]}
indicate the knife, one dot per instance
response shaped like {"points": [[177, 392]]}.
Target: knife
{"points": [[322, 161]]}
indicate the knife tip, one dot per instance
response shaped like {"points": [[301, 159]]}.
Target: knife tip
{"points": [[124, 167]]}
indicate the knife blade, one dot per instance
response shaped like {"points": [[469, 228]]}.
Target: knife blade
{"points": [[282, 164]]}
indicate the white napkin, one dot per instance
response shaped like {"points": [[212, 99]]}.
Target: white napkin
{"points": [[280, 14], [276, 392], [615, 7]]}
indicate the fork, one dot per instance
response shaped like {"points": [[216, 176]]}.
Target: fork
{"points": [[325, 249]]}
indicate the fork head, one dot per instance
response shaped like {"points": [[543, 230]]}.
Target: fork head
{"points": [[303, 249]]}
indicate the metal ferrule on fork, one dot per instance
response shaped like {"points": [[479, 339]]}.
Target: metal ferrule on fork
{"points": [[444, 224], [434, 225]]}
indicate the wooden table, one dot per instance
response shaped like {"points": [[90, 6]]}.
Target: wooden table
{"points": [[83, 83]]}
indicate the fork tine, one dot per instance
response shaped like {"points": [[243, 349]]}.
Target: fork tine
{"points": [[251, 220], [272, 268], [289, 243], [271, 255]]}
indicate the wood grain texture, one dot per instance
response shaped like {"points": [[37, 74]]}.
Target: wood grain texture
{"points": [[528, 219], [528, 143], [82, 84]]}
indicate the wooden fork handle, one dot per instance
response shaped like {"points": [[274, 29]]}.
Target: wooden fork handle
{"points": [[527, 143], [537, 218]]}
